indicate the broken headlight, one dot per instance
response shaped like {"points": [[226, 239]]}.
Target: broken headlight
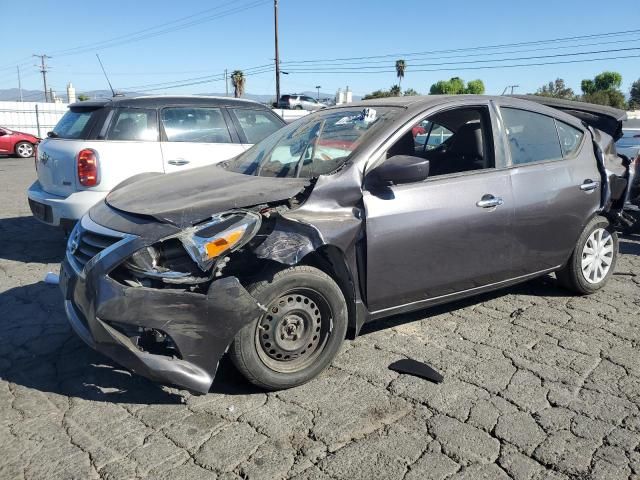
{"points": [[222, 234], [182, 258]]}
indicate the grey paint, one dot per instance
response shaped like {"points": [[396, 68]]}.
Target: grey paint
{"points": [[392, 249]]}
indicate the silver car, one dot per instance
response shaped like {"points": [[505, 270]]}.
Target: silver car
{"points": [[299, 102]]}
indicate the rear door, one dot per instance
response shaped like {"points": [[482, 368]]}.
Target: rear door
{"points": [[197, 136], [556, 185], [254, 124]]}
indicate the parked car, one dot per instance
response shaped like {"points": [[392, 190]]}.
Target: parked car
{"points": [[336, 220], [299, 102], [629, 145], [17, 143], [97, 145]]}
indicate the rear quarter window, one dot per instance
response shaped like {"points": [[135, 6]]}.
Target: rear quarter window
{"points": [[134, 124], [75, 124]]}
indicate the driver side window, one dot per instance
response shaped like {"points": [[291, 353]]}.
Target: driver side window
{"points": [[454, 141]]}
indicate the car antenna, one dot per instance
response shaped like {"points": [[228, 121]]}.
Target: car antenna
{"points": [[105, 76]]}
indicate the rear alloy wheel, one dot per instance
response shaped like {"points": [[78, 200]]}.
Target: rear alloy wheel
{"points": [[298, 335], [24, 149], [593, 260]]}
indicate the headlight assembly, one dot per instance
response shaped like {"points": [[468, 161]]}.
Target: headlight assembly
{"points": [[222, 234]]}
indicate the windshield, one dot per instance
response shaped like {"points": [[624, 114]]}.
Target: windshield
{"points": [[74, 124], [313, 146]]}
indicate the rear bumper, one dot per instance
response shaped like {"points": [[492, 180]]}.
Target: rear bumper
{"points": [[103, 313], [60, 208]]}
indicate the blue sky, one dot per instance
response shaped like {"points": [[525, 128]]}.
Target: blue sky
{"points": [[311, 31]]}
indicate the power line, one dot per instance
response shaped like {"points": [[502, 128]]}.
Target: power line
{"points": [[484, 47], [511, 59], [487, 67]]}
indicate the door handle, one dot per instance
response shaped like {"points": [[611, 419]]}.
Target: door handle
{"points": [[589, 185], [489, 201], [178, 162]]}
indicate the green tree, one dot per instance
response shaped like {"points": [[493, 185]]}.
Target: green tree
{"points": [[608, 81], [401, 66], [83, 97], [556, 89], [634, 100], [410, 92], [238, 80], [475, 87], [395, 91], [604, 89], [377, 94], [456, 86]]}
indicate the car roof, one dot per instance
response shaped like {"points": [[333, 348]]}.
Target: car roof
{"points": [[157, 101]]}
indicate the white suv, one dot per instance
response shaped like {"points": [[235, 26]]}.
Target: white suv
{"points": [[97, 145]]}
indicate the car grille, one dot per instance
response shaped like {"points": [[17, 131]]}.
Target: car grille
{"points": [[83, 245]]}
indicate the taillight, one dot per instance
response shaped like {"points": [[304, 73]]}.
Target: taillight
{"points": [[88, 168]]}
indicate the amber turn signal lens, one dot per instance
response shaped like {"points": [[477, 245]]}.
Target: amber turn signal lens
{"points": [[221, 244]]}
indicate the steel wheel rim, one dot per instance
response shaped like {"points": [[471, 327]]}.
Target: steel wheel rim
{"points": [[25, 150], [294, 330], [597, 256]]}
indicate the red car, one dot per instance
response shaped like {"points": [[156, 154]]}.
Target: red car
{"points": [[17, 143]]}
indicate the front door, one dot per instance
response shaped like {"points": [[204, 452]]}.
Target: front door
{"points": [[197, 136], [449, 233]]}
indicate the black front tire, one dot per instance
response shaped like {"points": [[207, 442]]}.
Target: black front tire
{"points": [[291, 295], [571, 276]]}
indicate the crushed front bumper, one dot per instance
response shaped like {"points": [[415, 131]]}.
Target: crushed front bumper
{"points": [[200, 326]]}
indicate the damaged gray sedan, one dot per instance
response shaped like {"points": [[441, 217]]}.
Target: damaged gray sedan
{"points": [[348, 215]]}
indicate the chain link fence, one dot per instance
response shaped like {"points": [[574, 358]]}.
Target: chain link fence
{"points": [[36, 118]]}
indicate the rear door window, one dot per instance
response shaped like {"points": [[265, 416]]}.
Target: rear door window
{"points": [[75, 123], [256, 124], [134, 124], [199, 125], [532, 137]]}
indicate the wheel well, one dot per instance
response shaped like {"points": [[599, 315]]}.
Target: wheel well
{"points": [[331, 261]]}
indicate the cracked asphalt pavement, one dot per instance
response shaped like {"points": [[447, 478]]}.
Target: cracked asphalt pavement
{"points": [[538, 384]]}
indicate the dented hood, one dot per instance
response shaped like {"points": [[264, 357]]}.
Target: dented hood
{"points": [[188, 197]]}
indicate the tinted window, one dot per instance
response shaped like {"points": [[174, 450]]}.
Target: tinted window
{"points": [[454, 141], [202, 125], [74, 123], [134, 124], [256, 124], [532, 137], [570, 138]]}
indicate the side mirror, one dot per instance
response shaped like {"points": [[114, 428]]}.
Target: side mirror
{"points": [[402, 169]]}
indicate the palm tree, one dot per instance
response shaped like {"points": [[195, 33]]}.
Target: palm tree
{"points": [[238, 81], [401, 66]]}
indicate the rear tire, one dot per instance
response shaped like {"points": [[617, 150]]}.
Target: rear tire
{"points": [[593, 260], [24, 150], [299, 334]]}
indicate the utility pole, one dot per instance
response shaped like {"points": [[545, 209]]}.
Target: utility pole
{"points": [[318, 87], [44, 70], [275, 17], [19, 83], [226, 82], [512, 87]]}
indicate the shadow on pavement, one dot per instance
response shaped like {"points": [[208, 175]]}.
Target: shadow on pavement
{"points": [[627, 247], [544, 287], [24, 239]]}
